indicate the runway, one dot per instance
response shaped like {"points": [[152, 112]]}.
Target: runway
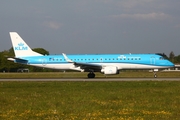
{"points": [[97, 79]]}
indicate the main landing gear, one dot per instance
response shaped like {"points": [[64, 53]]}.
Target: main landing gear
{"points": [[91, 75]]}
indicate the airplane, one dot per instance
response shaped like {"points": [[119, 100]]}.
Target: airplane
{"points": [[108, 64]]}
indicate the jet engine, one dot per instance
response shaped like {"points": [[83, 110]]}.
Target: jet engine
{"points": [[110, 70]]}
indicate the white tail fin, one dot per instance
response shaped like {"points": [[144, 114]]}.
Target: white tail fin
{"points": [[21, 49]]}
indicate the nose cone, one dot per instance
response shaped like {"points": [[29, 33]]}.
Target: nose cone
{"points": [[170, 64]]}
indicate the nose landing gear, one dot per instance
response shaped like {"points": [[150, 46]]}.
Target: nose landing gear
{"points": [[154, 71], [155, 75]]}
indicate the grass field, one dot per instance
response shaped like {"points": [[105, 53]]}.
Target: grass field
{"points": [[124, 74], [139, 100]]}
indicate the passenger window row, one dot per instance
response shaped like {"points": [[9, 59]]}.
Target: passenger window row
{"points": [[101, 59]]}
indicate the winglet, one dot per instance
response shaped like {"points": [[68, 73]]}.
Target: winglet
{"points": [[66, 58]]}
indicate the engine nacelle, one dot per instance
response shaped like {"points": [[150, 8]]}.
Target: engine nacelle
{"points": [[110, 70]]}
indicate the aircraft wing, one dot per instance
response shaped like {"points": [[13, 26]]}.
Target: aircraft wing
{"points": [[85, 66], [88, 66]]}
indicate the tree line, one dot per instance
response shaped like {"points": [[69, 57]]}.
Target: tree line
{"points": [[9, 66]]}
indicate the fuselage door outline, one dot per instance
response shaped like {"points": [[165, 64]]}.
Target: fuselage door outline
{"points": [[44, 61], [153, 60]]}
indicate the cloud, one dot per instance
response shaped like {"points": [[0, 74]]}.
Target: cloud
{"points": [[149, 16], [52, 24], [134, 3]]}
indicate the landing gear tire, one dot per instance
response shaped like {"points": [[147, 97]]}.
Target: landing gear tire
{"points": [[155, 76], [91, 75]]}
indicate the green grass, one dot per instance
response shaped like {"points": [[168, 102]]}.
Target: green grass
{"points": [[90, 100], [125, 74]]}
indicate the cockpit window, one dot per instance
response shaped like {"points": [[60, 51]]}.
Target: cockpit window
{"points": [[162, 58]]}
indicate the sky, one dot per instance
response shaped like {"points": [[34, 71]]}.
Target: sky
{"points": [[93, 26]]}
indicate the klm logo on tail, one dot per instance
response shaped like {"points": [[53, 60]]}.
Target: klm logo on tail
{"points": [[21, 46]]}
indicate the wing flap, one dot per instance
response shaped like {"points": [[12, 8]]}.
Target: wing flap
{"points": [[85, 66], [88, 65]]}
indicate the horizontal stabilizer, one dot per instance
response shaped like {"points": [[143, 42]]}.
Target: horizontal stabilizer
{"points": [[18, 60]]}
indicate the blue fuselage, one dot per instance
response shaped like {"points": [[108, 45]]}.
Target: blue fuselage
{"points": [[122, 61]]}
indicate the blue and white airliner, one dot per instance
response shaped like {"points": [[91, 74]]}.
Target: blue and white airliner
{"points": [[107, 64]]}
